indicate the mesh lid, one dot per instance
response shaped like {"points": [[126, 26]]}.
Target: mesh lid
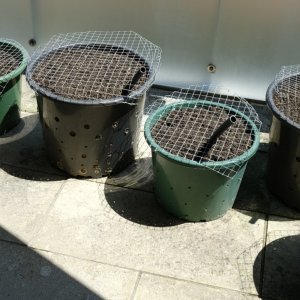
{"points": [[13, 60], [283, 95], [94, 67], [202, 126]]}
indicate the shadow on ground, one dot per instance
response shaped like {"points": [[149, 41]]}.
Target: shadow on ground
{"points": [[254, 195], [281, 279], [25, 274], [138, 207], [22, 152], [137, 175]]}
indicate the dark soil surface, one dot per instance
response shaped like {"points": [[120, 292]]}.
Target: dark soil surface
{"points": [[87, 73], [186, 132], [9, 61], [288, 102]]}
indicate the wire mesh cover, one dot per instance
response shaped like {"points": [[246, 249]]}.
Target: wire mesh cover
{"points": [[91, 67], [11, 58], [204, 126], [286, 100]]}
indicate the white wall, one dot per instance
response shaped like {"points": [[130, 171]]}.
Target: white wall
{"points": [[248, 41]]}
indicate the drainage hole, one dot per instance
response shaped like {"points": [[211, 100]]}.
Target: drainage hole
{"points": [[185, 203], [56, 119], [98, 137], [189, 187], [83, 155], [62, 142], [86, 126], [298, 158], [85, 146], [72, 133], [207, 196], [82, 165]]}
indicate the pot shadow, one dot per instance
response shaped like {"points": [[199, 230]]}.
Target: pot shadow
{"points": [[23, 155], [137, 175], [29, 275], [254, 195], [127, 194], [281, 263]]}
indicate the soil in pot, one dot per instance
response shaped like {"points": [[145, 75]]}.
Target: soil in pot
{"points": [[75, 72], [183, 132], [288, 103]]}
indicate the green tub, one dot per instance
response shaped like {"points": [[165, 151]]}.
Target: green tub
{"points": [[10, 87], [188, 189]]}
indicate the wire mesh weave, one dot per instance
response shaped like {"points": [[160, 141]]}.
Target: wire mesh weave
{"points": [[94, 67], [204, 126], [12, 58], [286, 99]]}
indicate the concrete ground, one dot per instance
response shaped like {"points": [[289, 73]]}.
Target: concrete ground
{"points": [[66, 238]]}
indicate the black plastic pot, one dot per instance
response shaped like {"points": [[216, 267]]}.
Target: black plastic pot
{"points": [[283, 171], [91, 138]]}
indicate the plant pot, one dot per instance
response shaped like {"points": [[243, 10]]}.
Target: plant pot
{"points": [[10, 83], [91, 134], [191, 190], [283, 168]]}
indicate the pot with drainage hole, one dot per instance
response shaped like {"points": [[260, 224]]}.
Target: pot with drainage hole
{"points": [[196, 178], [91, 91], [283, 168], [13, 61]]}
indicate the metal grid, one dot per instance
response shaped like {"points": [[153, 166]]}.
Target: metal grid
{"points": [[204, 125], [11, 58], [287, 96], [95, 67]]}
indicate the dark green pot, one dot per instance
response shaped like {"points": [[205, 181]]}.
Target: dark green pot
{"points": [[188, 189], [10, 98]]}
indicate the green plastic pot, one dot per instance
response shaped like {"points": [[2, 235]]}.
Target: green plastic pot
{"points": [[10, 97], [191, 190]]}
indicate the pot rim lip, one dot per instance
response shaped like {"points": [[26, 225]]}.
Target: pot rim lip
{"points": [[279, 114], [25, 57], [218, 164], [130, 99]]}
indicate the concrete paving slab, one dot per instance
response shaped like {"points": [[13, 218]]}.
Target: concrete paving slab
{"points": [[24, 147], [108, 224], [28, 100], [161, 288], [282, 259], [24, 205], [31, 274], [254, 194]]}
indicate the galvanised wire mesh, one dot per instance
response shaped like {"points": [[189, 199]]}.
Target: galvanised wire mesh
{"points": [[204, 126], [99, 67], [13, 59], [286, 100]]}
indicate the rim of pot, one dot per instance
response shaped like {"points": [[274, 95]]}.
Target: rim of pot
{"points": [[215, 164], [22, 64], [279, 114], [112, 101]]}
